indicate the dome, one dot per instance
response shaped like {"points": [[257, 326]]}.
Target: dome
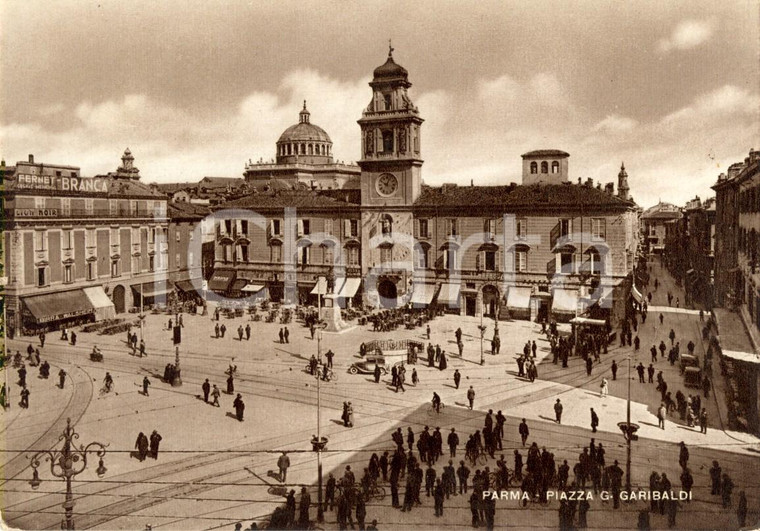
{"points": [[304, 131], [390, 70]]}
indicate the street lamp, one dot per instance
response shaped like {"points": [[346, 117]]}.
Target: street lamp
{"points": [[66, 463], [629, 431]]}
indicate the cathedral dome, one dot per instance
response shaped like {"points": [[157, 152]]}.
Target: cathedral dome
{"points": [[304, 142], [304, 131]]}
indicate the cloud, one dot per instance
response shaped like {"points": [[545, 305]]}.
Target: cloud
{"points": [[615, 123], [719, 103], [688, 34]]}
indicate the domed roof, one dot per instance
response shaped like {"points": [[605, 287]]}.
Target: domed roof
{"points": [[390, 69], [304, 130]]}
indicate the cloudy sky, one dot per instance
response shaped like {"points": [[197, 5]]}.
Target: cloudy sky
{"points": [[197, 88]]}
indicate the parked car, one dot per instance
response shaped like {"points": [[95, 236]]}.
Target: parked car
{"points": [[367, 366]]}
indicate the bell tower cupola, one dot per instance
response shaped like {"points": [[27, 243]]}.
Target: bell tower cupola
{"points": [[391, 159], [623, 190]]}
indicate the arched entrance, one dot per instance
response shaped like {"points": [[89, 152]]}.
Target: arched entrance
{"points": [[388, 294], [118, 299], [490, 301]]}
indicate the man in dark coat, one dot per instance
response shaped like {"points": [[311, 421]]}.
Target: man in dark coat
{"points": [[377, 373], [524, 431], [453, 442], [457, 378], [206, 387], [303, 509], [614, 369], [594, 420], [155, 440], [142, 446], [239, 407]]}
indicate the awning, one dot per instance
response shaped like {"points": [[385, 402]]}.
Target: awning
{"points": [[103, 306], [321, 287], [151, 289], [636, 294], [449, 295], [239, 284], [519, 297], [565, 300], [253, 288], [747, 357], [57, 306], [188, 285], [350, 287], [587, 321], [423, 293], [221, 280]]}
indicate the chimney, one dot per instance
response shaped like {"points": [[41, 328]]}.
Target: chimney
{"points": [[31, 158], [472, 182], [589, 182], [609, 188]]}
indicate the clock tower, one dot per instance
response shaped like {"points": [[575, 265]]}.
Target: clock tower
{"points": [[390, 183]]}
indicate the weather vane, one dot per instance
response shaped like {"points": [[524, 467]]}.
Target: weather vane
{"points": [[390, 48]]}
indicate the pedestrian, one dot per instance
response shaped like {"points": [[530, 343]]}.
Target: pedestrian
{"points": [[589, 365], [457, 378], [22, 377], [73, 338], [361, 512], [683, 455], [726, 487], [145, 385], [453, 442], [415, 378], [169, 327], [303, 509], [230, 384], [741, 510], [604, 388], [524, 431], [427, 330], [471, 396], [286, 335], [215, 395], [672, 336], [155, 440], [223, 329], [42, 339], [376, 373], [594, 420], [706, 386], [614, 368], [640, 370], [703, 421], [330, 487], [650, 373], [239, 407], [180, 322], [24, 398], [350, 415], [662, 318], [282, 464], [142, 446], [329, 355], [715, 475], [240, 331], [216, 330], [558, 411], [438, 496], [661, 412], [142, 348], [206, 387]]}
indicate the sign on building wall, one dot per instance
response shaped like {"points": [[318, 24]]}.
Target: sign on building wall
{"points": [[61, 183]]}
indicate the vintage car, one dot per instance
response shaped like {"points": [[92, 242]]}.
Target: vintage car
{"points": [[367, 365], [688, 361], [692, 377]]}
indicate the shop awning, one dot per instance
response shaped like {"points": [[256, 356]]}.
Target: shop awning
{"points": [[321, 287], [565, 300], [152, 289], [253, 288], [746, 357], [349, 288], [449, 295], [56, 306], [188, 285], [104, 308], [423, 293], [636, 294], [221, 280], [239, 284], [519, 297], [587, 321]]}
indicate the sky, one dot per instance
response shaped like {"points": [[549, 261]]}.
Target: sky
{"points": [[197, 88]]}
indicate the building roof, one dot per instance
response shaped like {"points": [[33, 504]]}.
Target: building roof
{"points": [[518, 196], [220, 182], [389, 69], [170, 188], [545, 153], [304, 132], [662, 211], [184, 210], [294, 199]]}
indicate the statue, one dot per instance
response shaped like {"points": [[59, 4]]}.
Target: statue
{"points": [[386, 226], [370, 143], [330, 281], [402, 140]]}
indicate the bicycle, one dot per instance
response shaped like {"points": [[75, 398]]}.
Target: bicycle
{"points": [[433, 412], [477, 459], [106, 389], [375, 491]]}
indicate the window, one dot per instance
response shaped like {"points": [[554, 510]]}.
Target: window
{"points": [[490, 260], [544, 167], [521, 229], [190, 259], [423, 228], [68, 275], [386, 255], [555, 167], [177, 234], [89, 206], [275, 227], [386, 225], [534, 167], [40, 240], [521, 260], [388, 141], [276, 253], [422, 255], [152, 263], [39, 203], [328, 254], [115, 239], [352, 255], [66, 205], [595, 260], [133, 208], [306, 227], [67, 239], [388, 105], [598, 229], [135, 235], [115, 267], [354, 228], [452, 227], [304, 254], [90, 270], [178, 261], [241, 253], [135, 264], [152, 235], [566, 263], [450, 258], [565, 228], [58, 173], [41, 276], [328, 226], [112, 207], [489, 226], [227, 253]]}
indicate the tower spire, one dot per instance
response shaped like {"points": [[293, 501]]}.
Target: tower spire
{"points": [[623, 188], [390, 49], [304, 114]]}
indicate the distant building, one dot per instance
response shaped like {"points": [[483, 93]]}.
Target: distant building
{"points": [[304, 161], [653, 222]]}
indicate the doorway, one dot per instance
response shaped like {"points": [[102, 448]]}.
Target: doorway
{"points": [[388, 294], [118, 299], [470, 306], [490, 301]]}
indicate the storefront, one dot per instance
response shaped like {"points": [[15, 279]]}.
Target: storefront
{"points": [[348, 291], [52, 311], [221, 281], [448, 297], [152, 293], [518, 302], [564, 304], [423, 295]]}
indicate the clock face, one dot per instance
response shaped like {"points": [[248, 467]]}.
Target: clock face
{"points": [[386, 184]]}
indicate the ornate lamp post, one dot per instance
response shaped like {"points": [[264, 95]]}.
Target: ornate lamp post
{"points": [[67, 463], [629, 430]]}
